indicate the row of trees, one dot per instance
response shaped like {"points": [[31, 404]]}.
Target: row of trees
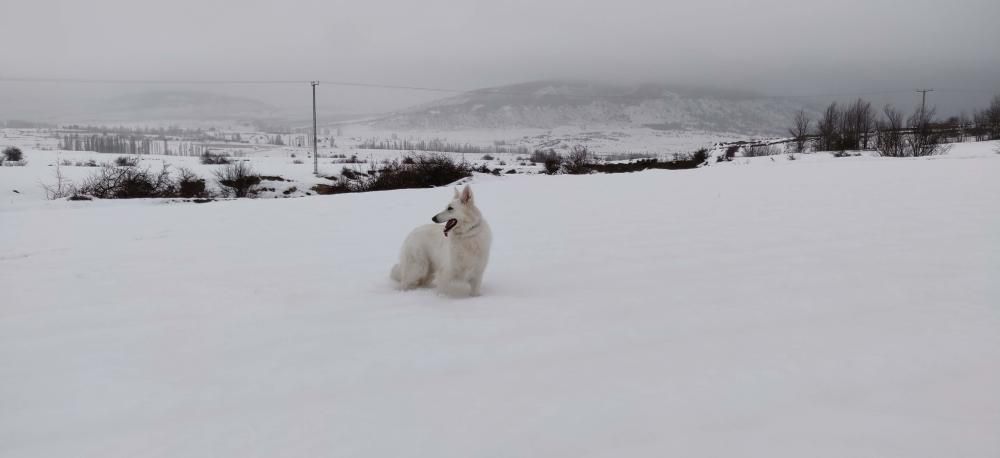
{"points": [[128, 145], [441, 146], [170, 131], [987, 121], [112, 144], [857, 126]]}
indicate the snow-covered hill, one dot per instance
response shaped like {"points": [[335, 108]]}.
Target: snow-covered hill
{"points": [[548, 104], [758, 308]]}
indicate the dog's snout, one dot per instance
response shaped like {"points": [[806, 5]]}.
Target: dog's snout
{"points": [[434, 218]]}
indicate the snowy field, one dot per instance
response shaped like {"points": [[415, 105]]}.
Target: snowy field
{"points": [[812, 308]]}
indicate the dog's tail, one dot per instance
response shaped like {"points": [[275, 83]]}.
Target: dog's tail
{"points": [[394, 274]]}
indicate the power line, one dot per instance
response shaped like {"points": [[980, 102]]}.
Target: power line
{"points": [[422, 88], [142, 81]]}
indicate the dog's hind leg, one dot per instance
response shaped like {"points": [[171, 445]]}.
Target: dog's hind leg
{"points": [[413, 275]]}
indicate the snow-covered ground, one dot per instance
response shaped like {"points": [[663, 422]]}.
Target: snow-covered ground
{"points": [[821, 307], [27, 184]]}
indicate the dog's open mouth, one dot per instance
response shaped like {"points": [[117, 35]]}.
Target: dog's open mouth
{"points": [[449, 225]]}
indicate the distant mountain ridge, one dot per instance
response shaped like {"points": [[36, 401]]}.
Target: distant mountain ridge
{"points": [[554, 103]]}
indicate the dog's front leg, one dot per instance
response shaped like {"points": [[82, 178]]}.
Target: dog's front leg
{"points": [[474, 284]]}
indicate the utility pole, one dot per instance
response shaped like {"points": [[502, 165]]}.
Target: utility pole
{"points": [[315, 143], [923, 101]]}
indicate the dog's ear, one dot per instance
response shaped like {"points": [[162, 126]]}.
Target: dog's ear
{"points": [[467, 194]]}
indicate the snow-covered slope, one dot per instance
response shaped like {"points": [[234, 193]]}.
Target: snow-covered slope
{"points": [[548, 104], [828, 308]]}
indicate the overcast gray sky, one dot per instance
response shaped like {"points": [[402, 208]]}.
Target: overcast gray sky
{"points": [[774, 46]]}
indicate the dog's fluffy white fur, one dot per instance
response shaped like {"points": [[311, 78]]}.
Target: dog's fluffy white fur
{"points": [[453, 258]]}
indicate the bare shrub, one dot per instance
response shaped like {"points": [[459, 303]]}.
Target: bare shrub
{"points": [[238, 179], [578, 161], [61, 189], [129, 182], [190, 185], [426, 171], [924, 140], [422, 171]]}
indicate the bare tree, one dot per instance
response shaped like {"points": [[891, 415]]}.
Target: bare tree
{"points": [[864, 121], [828, 129], [855, 123], [923, 140], [800, 130], [889, 139], [62, 188], [991, 118], [962, 124]]}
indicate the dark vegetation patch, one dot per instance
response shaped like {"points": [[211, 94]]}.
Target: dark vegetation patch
{"points": [[127, 161], [209, 158], [419, 171], [12, 154]]}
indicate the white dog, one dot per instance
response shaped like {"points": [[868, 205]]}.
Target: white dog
{"points": [[455, 257]]}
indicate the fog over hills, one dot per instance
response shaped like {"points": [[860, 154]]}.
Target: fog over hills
{"points": [[553, 103], [186, 105]]}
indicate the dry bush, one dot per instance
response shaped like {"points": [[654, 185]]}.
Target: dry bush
{"points": [[190, 185], [238, 179], [578, 162], [129, 182]]}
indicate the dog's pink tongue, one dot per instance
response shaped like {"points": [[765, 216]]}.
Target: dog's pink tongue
{"points": [[450, 224]]}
